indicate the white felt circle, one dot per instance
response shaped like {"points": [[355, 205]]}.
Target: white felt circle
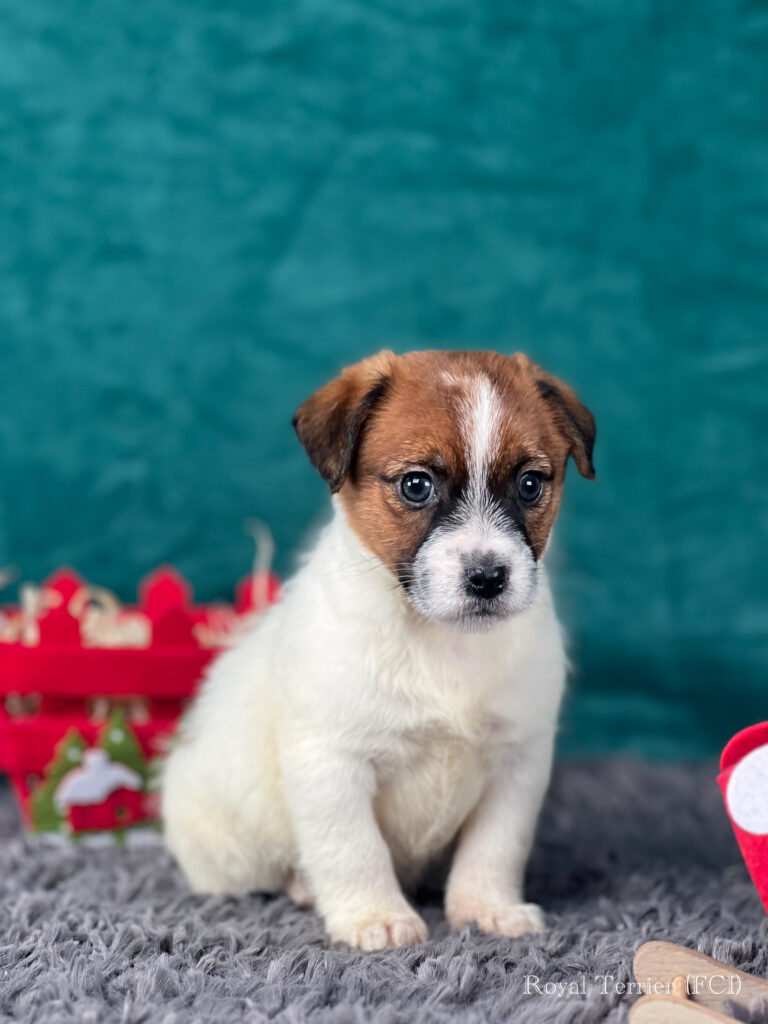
{"points": [[747, 792]]}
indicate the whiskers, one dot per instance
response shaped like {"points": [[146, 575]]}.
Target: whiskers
{"points": [[399, 576], [406, 574], [351, 570]]}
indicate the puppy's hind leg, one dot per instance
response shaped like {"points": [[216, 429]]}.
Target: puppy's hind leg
{"points": [[218, 849], [216, 860]]}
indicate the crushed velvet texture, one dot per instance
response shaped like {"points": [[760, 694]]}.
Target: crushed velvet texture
{"points": [[207, 209]]}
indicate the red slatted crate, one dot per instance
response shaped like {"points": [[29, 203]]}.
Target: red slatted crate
{"points": [[90, 693]]}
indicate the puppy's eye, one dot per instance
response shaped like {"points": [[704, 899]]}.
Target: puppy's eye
{"points": [[417, 487], [529, 488]]}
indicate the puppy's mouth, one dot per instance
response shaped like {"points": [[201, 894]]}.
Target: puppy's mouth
{"points": [[494, 610], [461, 611], [483, 617]]}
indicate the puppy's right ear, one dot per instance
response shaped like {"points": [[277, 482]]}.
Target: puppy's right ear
{"points": [[573, 419], [330, 421]]}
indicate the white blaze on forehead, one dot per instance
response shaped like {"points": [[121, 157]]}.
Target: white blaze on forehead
{"points": [[481, 423]]}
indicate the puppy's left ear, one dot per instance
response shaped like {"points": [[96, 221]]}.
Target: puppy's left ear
{"points": [[573, 419], [330, 421]]}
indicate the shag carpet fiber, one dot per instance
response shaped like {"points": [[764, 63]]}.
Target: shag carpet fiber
{"points": [[627, 851]]}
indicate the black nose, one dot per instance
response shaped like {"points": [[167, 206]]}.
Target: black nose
{"points": [[486, 581]]}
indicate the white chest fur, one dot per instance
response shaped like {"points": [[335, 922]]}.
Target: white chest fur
{"points": [[421, 802]]}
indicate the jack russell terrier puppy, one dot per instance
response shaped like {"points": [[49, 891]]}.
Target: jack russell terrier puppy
{"points": [[400, 703]]}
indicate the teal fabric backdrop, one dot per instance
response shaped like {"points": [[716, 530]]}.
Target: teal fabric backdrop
{"points": [[207, 208]]}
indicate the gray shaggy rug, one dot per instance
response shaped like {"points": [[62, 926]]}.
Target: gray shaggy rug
{"points": [[627, 851]]}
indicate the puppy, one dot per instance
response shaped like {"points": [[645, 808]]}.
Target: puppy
{"points": [[400, 703]]}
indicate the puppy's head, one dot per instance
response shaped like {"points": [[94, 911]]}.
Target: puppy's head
{"points": [[450, 468]]}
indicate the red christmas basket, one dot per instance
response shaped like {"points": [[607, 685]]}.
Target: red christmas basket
{"points": [[90, 692]]}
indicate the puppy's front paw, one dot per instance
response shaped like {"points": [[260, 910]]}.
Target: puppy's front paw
{"points": [[382, 930], [498, 917]]}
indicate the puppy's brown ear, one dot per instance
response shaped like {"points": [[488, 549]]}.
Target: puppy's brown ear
{"points": [[574, 420], [329, 422]]}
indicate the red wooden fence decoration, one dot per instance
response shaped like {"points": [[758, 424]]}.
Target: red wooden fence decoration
{"points": [[52, 686]]}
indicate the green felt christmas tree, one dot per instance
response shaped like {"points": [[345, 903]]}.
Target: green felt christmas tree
{"points": [[120, 742], [68, 755]]}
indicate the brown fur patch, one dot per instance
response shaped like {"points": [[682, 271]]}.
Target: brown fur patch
{"points": [[364, 446]]}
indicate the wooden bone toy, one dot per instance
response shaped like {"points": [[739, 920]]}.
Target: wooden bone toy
{"points": [[686, 987]]}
